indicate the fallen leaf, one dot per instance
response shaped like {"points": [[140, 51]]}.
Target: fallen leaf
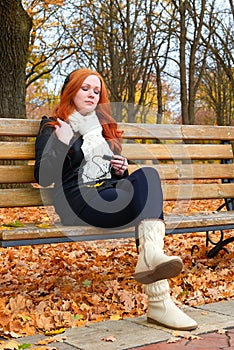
{"points": [[43, 225], [115, 317], [86, 283], [176, 334], [221, 331], [78, 317], [16, 223], [10, 345], [55, 331], [24, 346], [173, 340], [192, 337], [110, 338], [60, 339], [46, 341]]}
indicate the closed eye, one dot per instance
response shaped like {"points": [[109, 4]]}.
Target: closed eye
{"points": [[88, 87]]}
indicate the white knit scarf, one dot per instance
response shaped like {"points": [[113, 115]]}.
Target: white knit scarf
{"points": [[94, 146]]}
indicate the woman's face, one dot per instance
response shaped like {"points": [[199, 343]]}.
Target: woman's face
{"points": [[87, 97]]}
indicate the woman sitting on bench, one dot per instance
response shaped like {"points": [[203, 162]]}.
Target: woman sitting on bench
{"points": [[79, 150]]}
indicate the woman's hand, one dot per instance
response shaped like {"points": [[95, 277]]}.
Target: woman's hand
{"points": [[119, 164], [64, 131]]}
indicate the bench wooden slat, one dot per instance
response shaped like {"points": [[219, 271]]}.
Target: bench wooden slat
{"points": [[177, 132], [199, 220], [17, 150], [176, 152], [34, 232], [13, 174], [26, 150], [24, 197], [29, 127], [191, 171], [10, 174], [198, 191], [172, 222], [19, 127], [18, 197]]}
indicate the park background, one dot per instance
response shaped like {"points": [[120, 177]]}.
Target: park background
{"points": [[163, 62]]}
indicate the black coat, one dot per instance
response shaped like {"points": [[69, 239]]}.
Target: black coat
{"points": [[59, 165]]}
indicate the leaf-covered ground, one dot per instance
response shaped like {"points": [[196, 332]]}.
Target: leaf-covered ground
{"points": [[50, 287]]}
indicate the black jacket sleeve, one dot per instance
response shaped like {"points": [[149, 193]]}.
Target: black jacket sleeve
{"points": [[50, 154]]}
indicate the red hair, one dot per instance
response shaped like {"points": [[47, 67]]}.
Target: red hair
{"points": [[66, 106]]}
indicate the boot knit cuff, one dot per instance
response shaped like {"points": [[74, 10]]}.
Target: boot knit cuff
{"points": [[157, 291]]}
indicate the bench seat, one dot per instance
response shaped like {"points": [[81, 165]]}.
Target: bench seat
{"points": [[38, 234]]}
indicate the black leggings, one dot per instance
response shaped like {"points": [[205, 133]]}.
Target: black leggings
{"points": [[137, 197]]}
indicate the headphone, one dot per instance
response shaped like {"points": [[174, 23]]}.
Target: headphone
{"points": [[66, 81]]}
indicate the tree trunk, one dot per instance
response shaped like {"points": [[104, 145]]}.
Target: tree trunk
{"points": [[191, 92], [183, 75], [15, 26], [159, 95]]}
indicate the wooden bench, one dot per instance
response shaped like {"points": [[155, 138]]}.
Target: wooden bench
{"points": [[194, 163]]}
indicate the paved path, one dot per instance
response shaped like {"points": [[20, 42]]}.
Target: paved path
{"points": [[215, 331], [210, 341]]}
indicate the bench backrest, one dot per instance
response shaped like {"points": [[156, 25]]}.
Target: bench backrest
{"points": [[194, 161]]}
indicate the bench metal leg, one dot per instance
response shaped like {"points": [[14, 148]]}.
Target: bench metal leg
{"points": [[220, 245]]}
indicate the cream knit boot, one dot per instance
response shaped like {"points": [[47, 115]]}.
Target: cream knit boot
{"points": [[153, 265], [162, 310]]}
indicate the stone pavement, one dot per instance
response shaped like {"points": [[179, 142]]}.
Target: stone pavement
{"points": [[215, 331]]}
